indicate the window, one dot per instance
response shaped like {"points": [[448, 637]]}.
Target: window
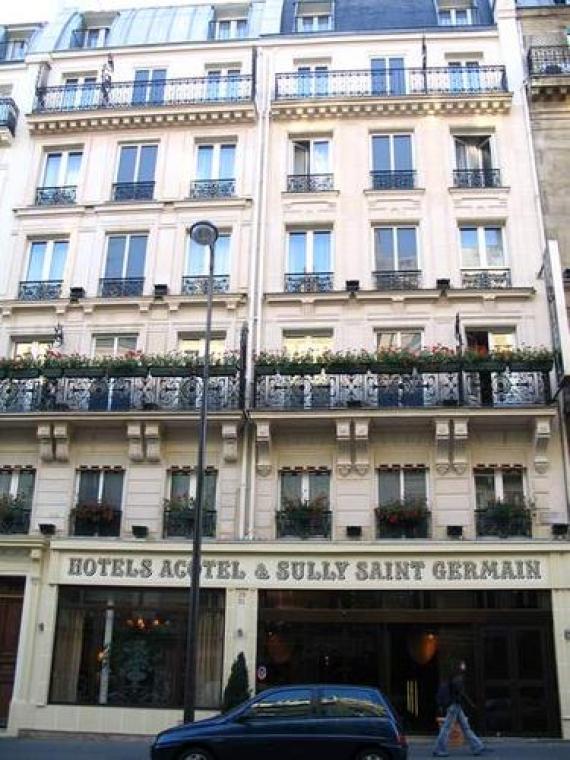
{"points": [[92, 37], [388, 76], [464, 76], [216, 161], [501, 484], [81, 91], [60, 177], [135, 173], [17, 484], [15, 49], [482, 247], [456, 16], [312, 80], [223, 84], [395, 249], [197, 265], [101, 632], [315, 343], [392, 163], [98, 506], [124, 266], [316, 23], [309, 251], [474, 162], [148, 86], [183, 487], [401, 484], [410, 340], [484, 341], [29, 346], [300, 488], [46, 261], [287, 704], [114, 345], [230, 29], [314, 16], [195, 345], [340, 702], [311, 156]]}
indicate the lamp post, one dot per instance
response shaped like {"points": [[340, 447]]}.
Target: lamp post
{"points": [[203, 233]]}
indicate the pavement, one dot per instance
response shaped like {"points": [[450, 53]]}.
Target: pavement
{"points": [[135, 749]]}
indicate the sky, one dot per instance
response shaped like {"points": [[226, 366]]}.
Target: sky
{"points": [[16, 11]]}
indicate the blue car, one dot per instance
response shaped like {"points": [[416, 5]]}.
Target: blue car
{"points": [[293, 723]]}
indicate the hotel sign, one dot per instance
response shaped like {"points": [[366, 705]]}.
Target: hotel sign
{"points": [[314, 572]]}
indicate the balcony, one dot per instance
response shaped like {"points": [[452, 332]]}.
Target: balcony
{"points": [[39, 290], [210, 189], [305, 389], [117, 287], [503, 520], [408, 279], [310, 183], [132, 191], [367, 92], [179, 523], [56, 196], [166, 389], [549, 69], [317, 282], [485, 279], [8, 120], [393, 180], [303, 523], [122, 105], [14, 519], [402, 521], [198, 285], [476, 178], [95, 519]]}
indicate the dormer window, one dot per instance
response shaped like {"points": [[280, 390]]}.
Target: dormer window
{"points": [[230, 23], [456, 14], [93, 32], [314, 16], [15, 44]]}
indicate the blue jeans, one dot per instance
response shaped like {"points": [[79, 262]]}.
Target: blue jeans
{"points": [[455, 713]]}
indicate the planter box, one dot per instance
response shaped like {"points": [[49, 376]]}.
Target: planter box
{"points": [[3, 373], [490, 365], [52, 372], [531, 366], [84, 372], [347, 369], [441, 367], [390, 369], [24, 374], [221, 371], [173, 371], [128, 372]]}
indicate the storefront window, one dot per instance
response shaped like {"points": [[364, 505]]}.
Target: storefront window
{"points": [[127, 647]]}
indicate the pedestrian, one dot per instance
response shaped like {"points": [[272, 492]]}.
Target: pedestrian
{"points": [[451, 698]]}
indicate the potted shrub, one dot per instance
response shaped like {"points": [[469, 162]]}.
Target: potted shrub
{"points": [[78, 365], [406, 518], [129, 364], [304, 517], [527, 359], [14, 514], [23, 367], [483, 361], [505, 518], [237, 688], [94, 512]]}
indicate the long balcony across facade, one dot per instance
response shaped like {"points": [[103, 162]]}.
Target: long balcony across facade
{"points": [[8, 115], [367, 83], [134, 95], [549, 60]]}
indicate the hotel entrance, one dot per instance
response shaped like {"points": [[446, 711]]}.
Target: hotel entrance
{"points": [[11, 600], [406, 642]]}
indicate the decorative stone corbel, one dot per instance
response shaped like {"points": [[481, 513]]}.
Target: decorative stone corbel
{"points": [[460, 435], [45, 442], [542, 435], [229, 442], [61, 442], [343, 459], [152, 440], [361, 448], [442, 446], [263, 443], [135, 439]]}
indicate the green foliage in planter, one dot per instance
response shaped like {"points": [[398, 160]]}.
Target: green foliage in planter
{"points": [[228, 359], [11, 506], [405, 512], [94, 512], [180, 504], [237, 688], [296, 505], [504, 512]]}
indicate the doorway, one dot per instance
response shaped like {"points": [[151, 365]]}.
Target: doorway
{"points": [[11, 601]]}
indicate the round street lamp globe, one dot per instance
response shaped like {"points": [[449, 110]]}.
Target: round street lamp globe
{"points": [[204, 233]]}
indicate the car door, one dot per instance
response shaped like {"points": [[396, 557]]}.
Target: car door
{"points": [[275, 727]]}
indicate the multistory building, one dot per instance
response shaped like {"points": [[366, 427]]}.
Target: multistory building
{"points": [[369, 517]]}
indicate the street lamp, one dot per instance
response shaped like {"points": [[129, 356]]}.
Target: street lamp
{"points": [[203, 233]]}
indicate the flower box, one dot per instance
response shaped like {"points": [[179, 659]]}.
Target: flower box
{"points": [[128, 372], [26, 373], [485, 365], [531, 365], [52, 372], [390, 369], [157, 371], [218, 370], [3, 373], [84, 372]]}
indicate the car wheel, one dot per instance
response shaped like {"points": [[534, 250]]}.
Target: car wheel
{"points": [[372, 754], [195, 753]]}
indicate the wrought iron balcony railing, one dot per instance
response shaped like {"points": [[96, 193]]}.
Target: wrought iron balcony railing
{"points": [[135, 95], [420, 528], [8, 115], [309, 183], [477, 178], [39, 290], [367, 83], [377, 389], [485, 279], [503, 521], [133, 191], [198, 285], [173, 394], [549, 60], [117, 287], [179, 523], [84, 524], [205, 189], [408, 279], [12, 53], [64, 195], [15, 520], [317, 282], [303, 523], [393, 180]]}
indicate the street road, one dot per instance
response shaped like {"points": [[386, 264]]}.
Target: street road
{"points": [[101, 749]]}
